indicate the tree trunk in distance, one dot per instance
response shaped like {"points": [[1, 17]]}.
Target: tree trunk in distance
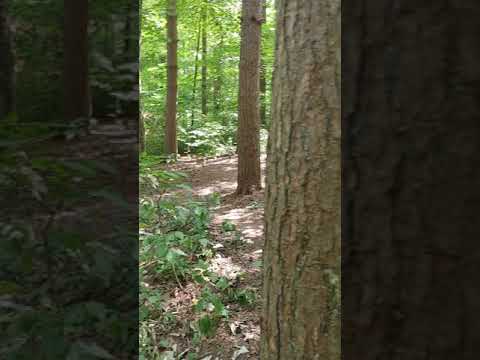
{"points": [[7, 70], [217, 88], [76, 82], [204, 62], [195, 74], [248, 133], [263, 93], [172, 66], [263, 78], [301, 316]]}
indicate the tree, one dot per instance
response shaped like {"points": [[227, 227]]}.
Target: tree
{"points": [[76, 83], [410, 192], [301, 317], [172, 66], [248, 136], [204, 59], [263, 78], [195, 74], [263, 93], [6, 64]]}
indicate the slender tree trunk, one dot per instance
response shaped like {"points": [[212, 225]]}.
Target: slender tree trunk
{"points": [[263, 93], [410, 199], [172, 66], [301, 318], [7, 71], [76, 82], [263, 78], [217, 88], [204, 62], [248, 136], [195, 74]]}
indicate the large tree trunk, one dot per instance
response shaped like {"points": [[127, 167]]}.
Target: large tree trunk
{"points": [[171, 108], [77, 90], [204, 62], [7, 73], [301, 318], [410, 200], [248, 136]]}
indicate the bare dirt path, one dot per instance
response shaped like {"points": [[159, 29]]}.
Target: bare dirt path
{"points": [[238, 257]]}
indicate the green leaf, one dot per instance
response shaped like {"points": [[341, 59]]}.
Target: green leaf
{"points": [[207, 326]]}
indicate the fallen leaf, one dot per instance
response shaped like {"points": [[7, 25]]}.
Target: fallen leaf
{"points": [[242, 350]]}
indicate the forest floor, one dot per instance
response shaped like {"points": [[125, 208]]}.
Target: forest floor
{"points": [[240, 261]]}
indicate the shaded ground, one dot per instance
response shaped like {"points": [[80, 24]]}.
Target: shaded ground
{"points": [[234, 259]]}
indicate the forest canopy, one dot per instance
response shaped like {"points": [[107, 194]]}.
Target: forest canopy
{"points": [[208, 71]]}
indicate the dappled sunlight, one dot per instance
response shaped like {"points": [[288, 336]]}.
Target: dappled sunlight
{"points": [[224, 267], [215, 187]]}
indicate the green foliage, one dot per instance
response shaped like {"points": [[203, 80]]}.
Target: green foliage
{"points": [[47, 268], [175, 249], [228, 226], [214, 133], [39, 57]]}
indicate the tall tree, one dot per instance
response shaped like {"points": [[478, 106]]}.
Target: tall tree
{"points": [[76, 82], [248, 135], [263, 78], [6, 64], [410, 193], [217, 85], [172, 66], [204, 59], [195, 73], [301, 317], [263, 93]]}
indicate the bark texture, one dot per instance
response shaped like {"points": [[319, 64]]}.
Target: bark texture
{"points": [[301, 317], [7, 101], [76, 82], [172, 71], [248, 135], [410, 148]]}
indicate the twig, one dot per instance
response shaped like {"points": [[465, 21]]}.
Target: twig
{"points": [[176, 277]]}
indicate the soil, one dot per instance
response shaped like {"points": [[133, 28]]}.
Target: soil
{"points": [[242, 330]]}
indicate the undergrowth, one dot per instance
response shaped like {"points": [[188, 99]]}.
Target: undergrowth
{"points": [[175, 251]]}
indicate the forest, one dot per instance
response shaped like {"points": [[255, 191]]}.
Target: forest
{"points": [[239, 180], [211, 104], [170, 179]]}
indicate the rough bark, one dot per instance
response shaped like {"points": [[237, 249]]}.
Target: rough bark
{"points": [[204, 62], [301, 317], [410, 150], [76, 82], [172, 70], [7, 73], [248, 136]]}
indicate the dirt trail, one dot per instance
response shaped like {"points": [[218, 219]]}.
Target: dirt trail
{"points": [[233, 256]]}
